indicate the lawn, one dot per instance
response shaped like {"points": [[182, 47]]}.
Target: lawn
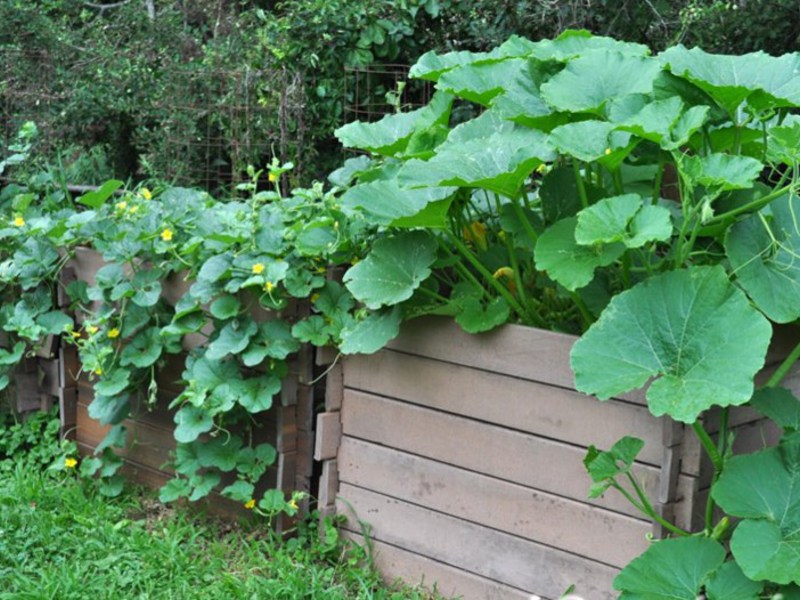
{"points": [[61, 539]]}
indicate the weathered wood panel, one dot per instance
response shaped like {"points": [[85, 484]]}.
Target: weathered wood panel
{"points": [[482, 551], [519, 404], [543, 464], [545, 518], [414, 569]]}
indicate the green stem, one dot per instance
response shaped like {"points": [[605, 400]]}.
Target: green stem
{"points": [[462, 270], [647, 508], [579, 181], [526, 224], [708, 444], [658, 181], [498, 287], [586, 316], [784, 367], [750, 206]]}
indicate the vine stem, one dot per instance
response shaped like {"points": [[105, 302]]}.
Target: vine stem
{"points": [[784, 367], [498, 287], [579, 181], [646, 507]]}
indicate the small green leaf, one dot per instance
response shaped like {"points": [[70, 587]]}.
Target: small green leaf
{"points": [[256, 394], [203, 484], [676, 328], [566, 261], [147, 287], [240, 491], [607, 221], [723, 171], [220, 452], [604, 467], [233, 338], [13, 356], [671, 569], [113, 383], [96, 198], [174, 489], [477, 316], [225, 307], [191, 421], [314, 330], [393, 269], [109, 409], [372, 333], [54, 322], [144, 349]]}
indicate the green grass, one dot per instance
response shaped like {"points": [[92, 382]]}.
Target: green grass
{"points": [[61, 540]]}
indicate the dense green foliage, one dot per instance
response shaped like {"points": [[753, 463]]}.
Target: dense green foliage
{"points": [[142, 91]]}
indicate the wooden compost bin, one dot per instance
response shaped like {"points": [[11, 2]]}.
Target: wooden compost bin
{"points": [[463, 454], [287, 425]]}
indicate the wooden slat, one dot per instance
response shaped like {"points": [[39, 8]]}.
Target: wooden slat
{"points": [[328, 434], [328, 483], [334, 387], [488, 553], [544, 410], [545, 518], [68, 411], [535, 462], [49, 382], [396, 563]]}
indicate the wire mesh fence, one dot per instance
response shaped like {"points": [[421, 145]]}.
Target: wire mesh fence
{"points": [[372, 91]]}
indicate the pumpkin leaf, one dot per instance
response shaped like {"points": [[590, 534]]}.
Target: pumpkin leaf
{"points": [[677, 328], [780, 405]]}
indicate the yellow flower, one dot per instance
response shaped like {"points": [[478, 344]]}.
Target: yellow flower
{"points": [[314, 297], [269, 286], [608, 151], [542, 169], [98, 371], [133, 209], [70, 463], [258, 268], [476, 232], [166, 235], [293, 503], [272, 178], [122, 205], [250, 504], [113, 333], [92, 329], [75, 334], [19, 222], [146, 194]]}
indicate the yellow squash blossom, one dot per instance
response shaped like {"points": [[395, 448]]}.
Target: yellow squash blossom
{"points": [[166, 235], [269, 286], [475, 232], [250, 504], [92, 329], [258, 268], [113, 333], [146, 194], [272, 178], [70, 463], [19, 222], [122, 205]]}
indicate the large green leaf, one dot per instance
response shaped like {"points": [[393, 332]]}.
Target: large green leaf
{"points": [[383, 202], [393, 269], [431, 65], [672, 569], [499, 163], [664, 122], [256, 394], [391, 134], [729, 583], [763, 250], [585, 140], [764, 489], [220, 452], [764, 80], [567, 262], [683, 328], [572, 43], [591, 80], [144, 349], [481, 82]]}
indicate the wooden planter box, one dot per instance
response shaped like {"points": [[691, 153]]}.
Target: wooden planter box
{"points": [[287, 425], [463, 454]]}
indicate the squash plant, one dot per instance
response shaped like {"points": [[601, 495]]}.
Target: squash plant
{"points": [[256, 251], [646, 202]]}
